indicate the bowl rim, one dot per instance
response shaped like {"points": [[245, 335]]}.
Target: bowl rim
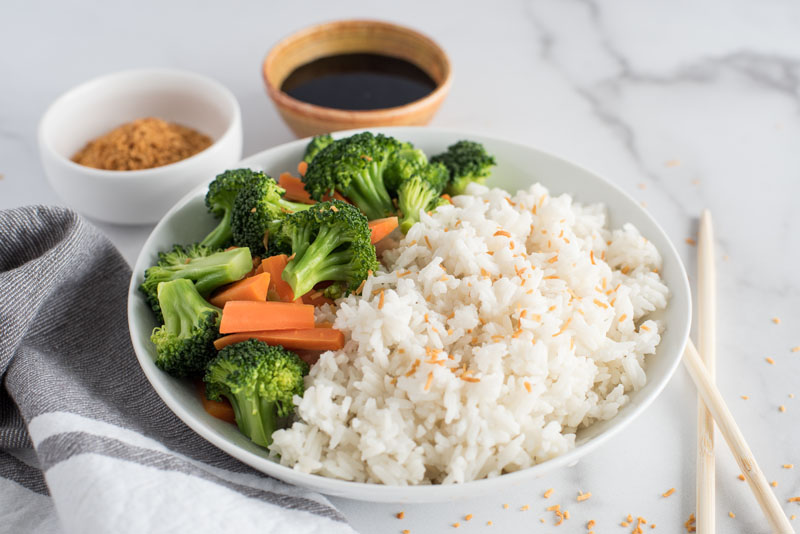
{"points": [[97, 81], [283, 99], [374, 492]]}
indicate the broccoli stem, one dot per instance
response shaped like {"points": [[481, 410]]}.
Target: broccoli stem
{"points": [[222, 234], [369, 193], [413, 197], [213, 271], [313, 264], [255, 416], [293, 207], [185, 306]]}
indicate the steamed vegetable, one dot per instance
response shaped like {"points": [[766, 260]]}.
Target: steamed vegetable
{"points": [[354, 166], [206, 268], [219, 200], [185, 342], [328, 243], [466, 161], [260, 382], [258, 210]]}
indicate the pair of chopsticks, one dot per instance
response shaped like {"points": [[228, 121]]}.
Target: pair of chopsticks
{"points": [[712, 407]]}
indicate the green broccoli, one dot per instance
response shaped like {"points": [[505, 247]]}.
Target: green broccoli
{"points": [[419, 192], [315, 145], [195, 263], [329, 242], [467, 161], [404, 163], [260, 382], [219, 201], [257, 211], [185, 342], [354, 166]]}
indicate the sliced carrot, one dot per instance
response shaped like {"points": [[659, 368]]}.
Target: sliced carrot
{"points": [[447, 198], [305, 339], [251, 316], [279, 289], [295, 189], [382, 227], [302, 167], [219, 409], [253, 288]]}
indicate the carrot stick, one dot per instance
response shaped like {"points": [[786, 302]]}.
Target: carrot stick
{"points": [[447, 198], [381, 228], [279, 289], [305, 339], [253, 288], [295, 189], [302, 167], [219, 409], [251, 316]]}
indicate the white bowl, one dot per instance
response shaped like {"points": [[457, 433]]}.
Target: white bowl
{"points": [[100, 105], [518, 167]]}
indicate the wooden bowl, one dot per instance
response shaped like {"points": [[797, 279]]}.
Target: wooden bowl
{"points": [[350, 37]]}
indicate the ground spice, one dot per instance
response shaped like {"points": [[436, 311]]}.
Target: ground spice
{"points": [[142, 144]]}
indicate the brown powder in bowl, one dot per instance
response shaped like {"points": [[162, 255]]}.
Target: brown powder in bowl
{"points": [[142, 144]]}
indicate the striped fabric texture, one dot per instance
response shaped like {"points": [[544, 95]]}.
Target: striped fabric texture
{"points": [[86, 445]]}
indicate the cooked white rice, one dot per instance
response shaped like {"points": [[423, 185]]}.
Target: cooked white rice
{"points": [[501, 326]]}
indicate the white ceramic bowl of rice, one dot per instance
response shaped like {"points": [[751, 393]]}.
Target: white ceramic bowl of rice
{"points": [[510, 334]]}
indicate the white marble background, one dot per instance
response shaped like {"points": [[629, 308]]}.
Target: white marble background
{"points": [[684, 104]]}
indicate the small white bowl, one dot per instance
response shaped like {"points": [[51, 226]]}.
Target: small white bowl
{"points": [[518, 166], [102, 104]]}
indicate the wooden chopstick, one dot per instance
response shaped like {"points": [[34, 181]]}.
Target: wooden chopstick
{"points": [[706, 338], [713, 400]]}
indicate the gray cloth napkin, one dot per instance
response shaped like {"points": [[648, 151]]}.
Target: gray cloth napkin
{"points": [[86, 445]]}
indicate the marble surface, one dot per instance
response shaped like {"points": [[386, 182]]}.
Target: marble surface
{"points": [[685, 105]]}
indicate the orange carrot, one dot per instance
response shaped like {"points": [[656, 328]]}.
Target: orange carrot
{"points": [[251, 316], [382, 227], [219, 409], [302, 167], [447, 198], [295, 189], [279, 289], [253, 288], [304, 339]]}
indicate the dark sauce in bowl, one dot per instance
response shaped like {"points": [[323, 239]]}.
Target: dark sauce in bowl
{"points": [[358, 82]]}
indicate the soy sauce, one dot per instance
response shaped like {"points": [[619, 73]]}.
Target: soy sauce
{"points": [[358, 82]]}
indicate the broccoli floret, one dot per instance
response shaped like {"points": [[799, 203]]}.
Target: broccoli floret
{"points": [[260, 381], [419, 192], [177, 255], [258, 210], [404, 163], [467, 161], [329, 242], [354, 166], [219, 201], [315, 145], [185, 342], [207, 271]]}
